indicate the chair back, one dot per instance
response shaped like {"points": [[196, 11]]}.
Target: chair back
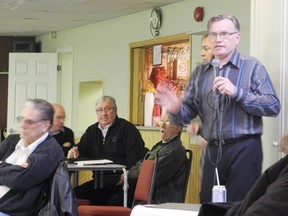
{"points": [[189, 155], [59, 197], [146, 180]]}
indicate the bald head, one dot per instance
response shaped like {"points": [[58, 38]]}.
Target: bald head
{"points": [[58, 107], [59, 118]]}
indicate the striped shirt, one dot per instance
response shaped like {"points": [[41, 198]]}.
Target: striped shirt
{"points": [[230, 116]]}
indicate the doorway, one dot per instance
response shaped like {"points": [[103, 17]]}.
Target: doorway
{"points": [[65, 82]]}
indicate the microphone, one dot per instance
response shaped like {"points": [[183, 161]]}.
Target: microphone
{"points": [[216, 64]]}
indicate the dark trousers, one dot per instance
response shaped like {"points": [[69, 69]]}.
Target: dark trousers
{"points": [[239, 168], [109, 195]]}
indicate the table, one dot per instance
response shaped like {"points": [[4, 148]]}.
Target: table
{"points": [[98, 170], [166, 209]]}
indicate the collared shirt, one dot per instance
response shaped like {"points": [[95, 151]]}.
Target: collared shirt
{"points": [[231, 116], [104, 130], [20, 155]]}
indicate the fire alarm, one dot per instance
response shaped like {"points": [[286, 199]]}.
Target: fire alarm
{"points": [[198, 14]]}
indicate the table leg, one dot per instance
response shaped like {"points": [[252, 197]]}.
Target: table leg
{"points": [[101, 177], [125, 187], [96, 179], [75, 178]]}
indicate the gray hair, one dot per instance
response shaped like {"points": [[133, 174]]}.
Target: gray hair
{"points": [[45, 108], [220, 17], [106, 97]]}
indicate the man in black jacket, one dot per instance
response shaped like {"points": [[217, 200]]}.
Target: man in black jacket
{"points": [[28, 161], [111, 138], [171, 165]]}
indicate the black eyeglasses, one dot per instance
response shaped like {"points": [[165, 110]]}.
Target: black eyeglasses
{"points": [[29, 122], [222, 35]]}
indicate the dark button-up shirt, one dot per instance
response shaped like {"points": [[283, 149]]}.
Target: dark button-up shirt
{"points": [[236, 115]]}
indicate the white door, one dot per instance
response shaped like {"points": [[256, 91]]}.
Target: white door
{"points": [[31, 75]]}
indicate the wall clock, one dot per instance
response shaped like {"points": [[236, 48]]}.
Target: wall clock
{"points": [[155, 21]]}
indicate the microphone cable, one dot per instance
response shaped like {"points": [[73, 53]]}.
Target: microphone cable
{"points": [[219, 110]]}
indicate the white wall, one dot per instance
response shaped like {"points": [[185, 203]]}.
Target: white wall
{"points": [[101, 50]]}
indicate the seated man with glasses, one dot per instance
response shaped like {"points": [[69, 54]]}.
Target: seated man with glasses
{"points": [[171, 165], [111, 138], [63, 134], [28, 160]]}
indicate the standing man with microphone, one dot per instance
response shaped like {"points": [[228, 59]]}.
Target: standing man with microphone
{"points": [[230, 106]]}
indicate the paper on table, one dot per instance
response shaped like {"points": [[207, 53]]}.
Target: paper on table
{"points": [[93, 162], [140, 210], [180, 206]]}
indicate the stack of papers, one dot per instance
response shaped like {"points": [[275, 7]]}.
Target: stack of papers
{"points": [[92, 162]]}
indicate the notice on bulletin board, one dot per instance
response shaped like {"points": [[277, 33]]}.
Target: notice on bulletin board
{"points": [[157, 55]]}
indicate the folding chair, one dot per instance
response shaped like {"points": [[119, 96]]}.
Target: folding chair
{"points": [[143, 192], [189, 155]]}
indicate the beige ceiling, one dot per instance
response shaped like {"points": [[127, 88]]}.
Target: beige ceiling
{"points": [[38, 17]]}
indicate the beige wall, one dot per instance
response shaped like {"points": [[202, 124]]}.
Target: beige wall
{"points": [[101, 50]]}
